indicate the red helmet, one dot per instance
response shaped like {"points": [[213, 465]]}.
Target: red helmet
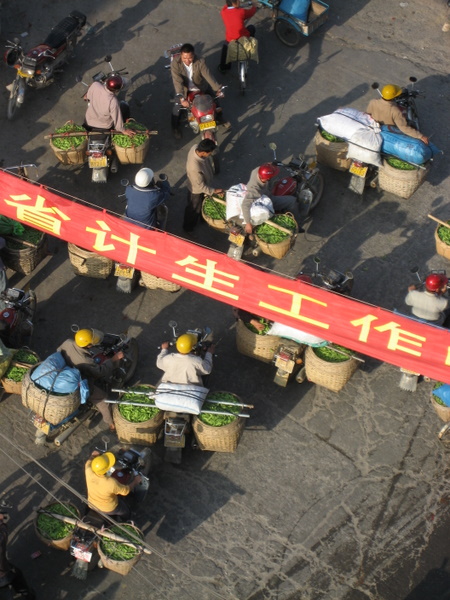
{"points": [[435, 282], [114, 83], [267, 171]]}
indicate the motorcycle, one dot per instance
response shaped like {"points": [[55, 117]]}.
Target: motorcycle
{"points": [[110, 345], [127, 277], [37, 67], [330, 279], [100, 151], [363, 174], [17, 316]]}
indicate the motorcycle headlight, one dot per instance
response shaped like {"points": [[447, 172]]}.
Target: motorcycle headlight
{"points": [[206, 118], [306, 196]]}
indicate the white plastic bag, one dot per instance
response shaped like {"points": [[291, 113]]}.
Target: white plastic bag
{"points": [[261, 210], [365, 145], [180, 397], [234, 198], [296, 335]]}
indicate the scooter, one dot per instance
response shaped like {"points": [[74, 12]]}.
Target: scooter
{"points": [[37, 67], [128, 277], [17, 316], [330, 279], [363, 174]]}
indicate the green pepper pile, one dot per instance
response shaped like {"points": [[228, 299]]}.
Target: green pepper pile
{"points": [[16, 373], [396, 163], [213, 209], [333, 353], [272, 235], [220, 420], [118, 550], [29, 235], [136, 414], [444, 233], [267, 325], [438, 400], [125, 141], [52, 528], [70, 142], [330, 137]]}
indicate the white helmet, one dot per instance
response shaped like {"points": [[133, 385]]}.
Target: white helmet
{"points": [[144, 177]]}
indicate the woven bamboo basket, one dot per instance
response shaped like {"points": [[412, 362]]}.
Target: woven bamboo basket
{"points": [[15, 387], [63, 543], [441, 247], [219, 224], [218, 439], [332, 154], [25, 260], [123, 567], [152, 282], [261, 347], [145, 433], [443, 412], [331, 375], [282, 248], [51, 407], [74, 156], [400, 183], [89, 264], [135, 155]]}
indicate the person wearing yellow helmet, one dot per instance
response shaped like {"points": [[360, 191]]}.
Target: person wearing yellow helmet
{"points": [[183, 366], [104, 491], [80, 353], [386, 112]]}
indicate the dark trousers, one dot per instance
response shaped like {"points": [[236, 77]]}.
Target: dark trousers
{"points": [[16, 580], [223, 57], [123, 510], [192, 211]]}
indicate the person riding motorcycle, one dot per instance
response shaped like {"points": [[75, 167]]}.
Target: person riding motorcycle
{"points": [[429, 304], [386, 112], [80, 353], [184, 367], [104, 111], [234, 18], [10, 575], [190, 73], [144, 197], [103, 491]]}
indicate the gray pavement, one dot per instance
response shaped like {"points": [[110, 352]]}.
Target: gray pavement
{"points": [[329, 496]]}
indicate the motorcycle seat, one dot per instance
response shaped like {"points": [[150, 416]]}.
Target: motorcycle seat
{"points": [[59, 34]]}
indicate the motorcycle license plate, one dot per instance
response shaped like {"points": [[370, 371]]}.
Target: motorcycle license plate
{"points": [[402, 370], [124, 271], [41, 423], [209, 125], [98, 163], [357, 170], [236, 238], [82, 554], [24, 75]]}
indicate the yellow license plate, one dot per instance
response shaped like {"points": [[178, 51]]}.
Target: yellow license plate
{"points": [[358, 171], [124, 271], [236, 238], [98, 163], [208, 125], [24, 75], [41, 424], [402, 370]]}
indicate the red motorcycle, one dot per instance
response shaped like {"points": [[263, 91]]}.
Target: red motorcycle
{"points": [[17, 312], [37, 67]]}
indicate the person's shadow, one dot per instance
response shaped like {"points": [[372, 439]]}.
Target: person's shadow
{"points": [[435, 585]]}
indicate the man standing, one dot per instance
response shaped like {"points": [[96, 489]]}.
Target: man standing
{"points": [[234, 18], [200, 175], [189, 74], [144, 197]]}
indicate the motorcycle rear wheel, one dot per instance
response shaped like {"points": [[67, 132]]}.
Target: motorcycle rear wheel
{"points": [[13, 105], [242, 75], [287, 33], [316, 185]]}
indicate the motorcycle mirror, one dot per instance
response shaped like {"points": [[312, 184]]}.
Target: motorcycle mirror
{"points": [[273, 146], [124, 182], [74, 328], [415, 270], [375, 85], [413, 79], [105, 440], [349, 274], [207, 331], [108, 58], [316, 260], [78, 78], [172, 324]]}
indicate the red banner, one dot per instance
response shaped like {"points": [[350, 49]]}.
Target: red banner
{"points": [[370, 330]]}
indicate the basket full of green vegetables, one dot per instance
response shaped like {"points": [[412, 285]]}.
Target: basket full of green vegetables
{"points": [[214, 209], [277, 235], [137, 419], [331, 151], [220, 428], [442, 238], [69, 143], [24, 251], [22, 362], [53, 531], [401, 178], [121, 557], [330, 366], [441, 408], [132, 150]]}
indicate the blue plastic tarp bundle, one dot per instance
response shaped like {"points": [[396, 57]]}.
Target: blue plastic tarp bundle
{"points": [[296, 8], [411, 150], [443, 393], [55, 376]]}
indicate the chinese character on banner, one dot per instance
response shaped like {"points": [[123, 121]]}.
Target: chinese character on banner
{"points": [[295, 310], [101, 244], [207, 276], [37, 215], [397, 336]]}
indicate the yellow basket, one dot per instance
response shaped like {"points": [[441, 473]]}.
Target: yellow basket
{"points": [[123, 567], [400, 183], [89, 264], [331, 375], [261, 347], [135, 155]]}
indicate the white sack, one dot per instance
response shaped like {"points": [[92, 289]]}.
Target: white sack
{"points": [[180, 397], [345, 122], [365, 145], [234, 198], [296, 335], [261, 210]]}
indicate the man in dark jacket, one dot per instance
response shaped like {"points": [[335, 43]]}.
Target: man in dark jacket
{"points": [[144, 197], [9, 574]]}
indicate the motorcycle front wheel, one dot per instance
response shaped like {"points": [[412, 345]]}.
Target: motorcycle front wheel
{"points": [[315, 185], [129, 362], [287, 33], [13, 105]]}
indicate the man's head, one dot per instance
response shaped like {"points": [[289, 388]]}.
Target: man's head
{"points": [[88, 337], [144, 177], [390, 91], [187, 54], [267, 171], [436, 283], [101, 464], [205, 147]]}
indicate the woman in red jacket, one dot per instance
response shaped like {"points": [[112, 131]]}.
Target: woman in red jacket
{"points": [[234, 18]]}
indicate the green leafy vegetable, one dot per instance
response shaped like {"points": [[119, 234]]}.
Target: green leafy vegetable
{"points": [[272, 235], [52, 528], [396, 163], [136, 414], [24, 356], [213, 209], [330, 137], [29, 235], [15, 373], [119, 550], [220, 420], [267, 325], [444, 233], [125, 141], [438, 400], [333, 353], [68, 143]]}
